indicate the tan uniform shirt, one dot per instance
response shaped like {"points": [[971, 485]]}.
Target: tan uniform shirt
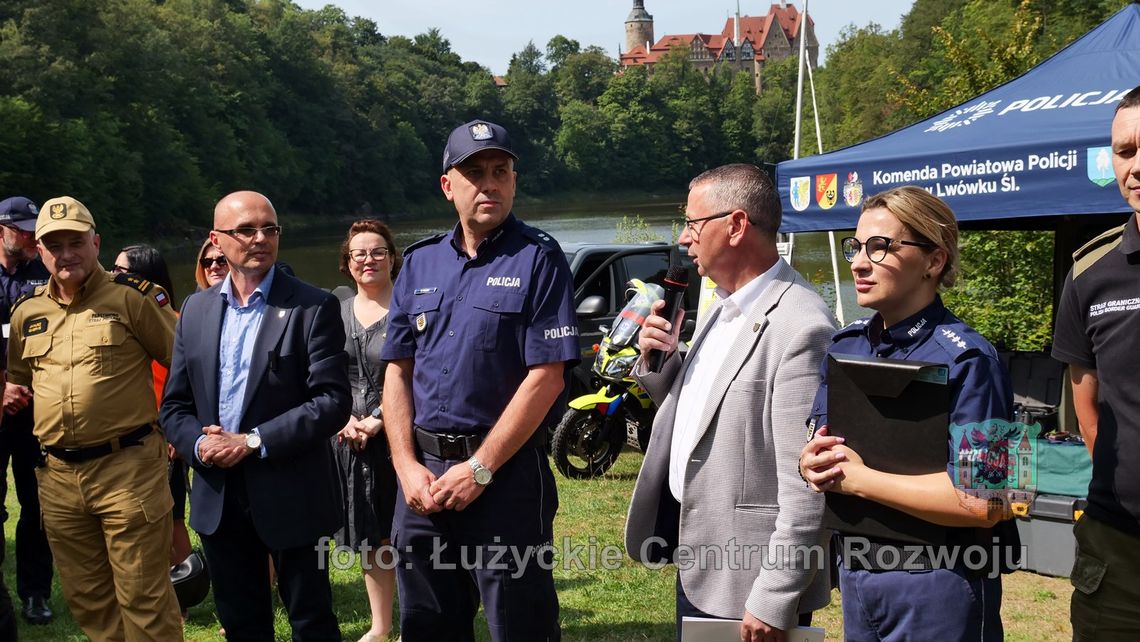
{"points": [[89, 362]]}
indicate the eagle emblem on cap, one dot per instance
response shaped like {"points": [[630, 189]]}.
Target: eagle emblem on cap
{"points": [[58, 211], [481, 131]]}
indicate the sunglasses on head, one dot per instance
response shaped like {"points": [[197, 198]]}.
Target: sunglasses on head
{"points": [[207, 263]]}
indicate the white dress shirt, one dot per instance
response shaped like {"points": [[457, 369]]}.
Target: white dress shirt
{"points": [[702, 367]]}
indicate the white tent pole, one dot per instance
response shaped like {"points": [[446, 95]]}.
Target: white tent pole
{"points": [[799, 111], [830, 233], [800, 87]]}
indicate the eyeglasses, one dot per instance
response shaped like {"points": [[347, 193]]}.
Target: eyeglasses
{"points": [[248, 233], [376, 253], [691, 223], [877, 247], [207, 262], [119, 269]]}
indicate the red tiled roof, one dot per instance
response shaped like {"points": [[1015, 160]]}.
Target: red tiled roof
{"points": [[753, 28], [676, 40], [639, 56]]}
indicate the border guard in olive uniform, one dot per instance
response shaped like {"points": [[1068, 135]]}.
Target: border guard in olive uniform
{"points": [[84, 344]]}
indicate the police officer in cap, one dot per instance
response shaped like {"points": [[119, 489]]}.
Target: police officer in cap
{"points": [[481, 333], [22, 272], [84, 343]]}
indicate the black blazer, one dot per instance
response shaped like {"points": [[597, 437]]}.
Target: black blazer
{"points": [[297, 396]]}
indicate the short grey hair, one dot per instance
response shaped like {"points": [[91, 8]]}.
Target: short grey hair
{"points": [[745, 187]]}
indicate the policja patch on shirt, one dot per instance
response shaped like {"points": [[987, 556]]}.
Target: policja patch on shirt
{"points": [[421, 322]]}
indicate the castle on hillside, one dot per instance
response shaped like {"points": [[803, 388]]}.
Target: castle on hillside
{"points": [[746, 42]]}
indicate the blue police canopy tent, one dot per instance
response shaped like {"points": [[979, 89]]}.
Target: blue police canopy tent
{"points": [[1035, 146]]}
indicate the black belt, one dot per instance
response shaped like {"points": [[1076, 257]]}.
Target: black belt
{"points": [[457, 447], [448, 446], [87, 453]]}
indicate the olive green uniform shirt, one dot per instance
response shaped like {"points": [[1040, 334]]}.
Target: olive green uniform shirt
{"points": [[88, 363]]}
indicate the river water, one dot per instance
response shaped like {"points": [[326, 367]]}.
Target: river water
{"points": [[314, 255]]}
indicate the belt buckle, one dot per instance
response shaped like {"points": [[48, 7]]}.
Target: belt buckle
{"points": [[453, 446]]}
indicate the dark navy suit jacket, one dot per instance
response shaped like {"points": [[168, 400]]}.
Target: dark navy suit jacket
{"points": [[297, 396]]}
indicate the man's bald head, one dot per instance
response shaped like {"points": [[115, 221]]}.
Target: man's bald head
{"points": [[233, 204], [247, 233]]}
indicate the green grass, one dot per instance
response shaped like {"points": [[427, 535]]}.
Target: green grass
{"points": [[626, 603]]}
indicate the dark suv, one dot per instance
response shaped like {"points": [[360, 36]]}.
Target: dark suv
{"points": [[601, 272]]}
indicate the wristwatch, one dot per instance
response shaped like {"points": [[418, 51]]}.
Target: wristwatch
{"points": [[376, 414], [481, 472], [253, 441]]}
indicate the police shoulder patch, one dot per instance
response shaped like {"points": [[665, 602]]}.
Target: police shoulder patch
{"points": [[431, 240], [136, 282], [1094, 250]]}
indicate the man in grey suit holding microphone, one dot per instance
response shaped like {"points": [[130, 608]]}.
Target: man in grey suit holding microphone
{"points": [[719, 493]]}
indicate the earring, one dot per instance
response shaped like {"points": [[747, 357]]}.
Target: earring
{"points": [[926, 277]]}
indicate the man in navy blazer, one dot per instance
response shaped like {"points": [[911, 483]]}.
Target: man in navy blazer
{"points": [[258, 383]]}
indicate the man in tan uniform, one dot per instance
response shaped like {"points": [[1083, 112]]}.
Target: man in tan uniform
{"points": [[84, 344]]}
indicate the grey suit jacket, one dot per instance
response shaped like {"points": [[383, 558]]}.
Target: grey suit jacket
{"points": [[749, 526]]}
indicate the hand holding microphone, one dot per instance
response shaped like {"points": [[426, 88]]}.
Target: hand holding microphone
{"points": [[663, 327]]}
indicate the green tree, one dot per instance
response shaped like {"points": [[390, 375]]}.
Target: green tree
{"points": [[852, 93]]}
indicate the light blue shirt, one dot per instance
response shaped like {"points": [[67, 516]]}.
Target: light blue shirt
{"points": [[235, 350], [240, 326]]}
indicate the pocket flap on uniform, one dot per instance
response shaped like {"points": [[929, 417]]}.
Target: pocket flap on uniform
{"points": [[426, 302], [1087, 573], [747, 385], [35, 347], [501, 301], [104, 334]]}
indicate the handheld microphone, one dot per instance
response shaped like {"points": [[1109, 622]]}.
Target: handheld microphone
{"points": [[676, 281]]}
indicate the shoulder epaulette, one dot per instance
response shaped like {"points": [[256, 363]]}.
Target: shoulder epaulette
{"points": [[855, 327], [1094, 250], [956, 344], [538, 236], [424, 242], [25, 296], [136, 282]]}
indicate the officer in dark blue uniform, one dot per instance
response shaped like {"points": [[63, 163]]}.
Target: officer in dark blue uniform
{"points": [[481, 334], [22, 272], [904, 249]]}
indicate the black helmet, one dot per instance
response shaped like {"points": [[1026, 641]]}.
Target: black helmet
{"points": [[191, 580]]}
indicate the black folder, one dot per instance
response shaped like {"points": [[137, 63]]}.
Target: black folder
{"points": [[895, 414]]}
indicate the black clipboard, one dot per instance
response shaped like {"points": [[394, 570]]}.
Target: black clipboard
{"points": [[895, 414]]}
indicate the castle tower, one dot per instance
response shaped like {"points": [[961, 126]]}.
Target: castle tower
{"points": [[1025, 462], [638, 27], [965, 464]]}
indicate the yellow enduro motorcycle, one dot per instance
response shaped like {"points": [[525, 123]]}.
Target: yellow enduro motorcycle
{"points": [[591, 434]]}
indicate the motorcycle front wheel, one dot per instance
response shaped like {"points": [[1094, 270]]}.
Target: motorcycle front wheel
{"points": [[586, 443]]}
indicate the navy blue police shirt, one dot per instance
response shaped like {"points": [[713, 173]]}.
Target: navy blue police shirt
{"points": [[980, 388], [475, 325], [28, 276]]}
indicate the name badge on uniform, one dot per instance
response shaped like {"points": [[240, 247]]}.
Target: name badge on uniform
{"points": [[421, 322]]}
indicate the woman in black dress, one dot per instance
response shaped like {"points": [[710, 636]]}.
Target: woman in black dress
{"points": [[364, 465]]}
